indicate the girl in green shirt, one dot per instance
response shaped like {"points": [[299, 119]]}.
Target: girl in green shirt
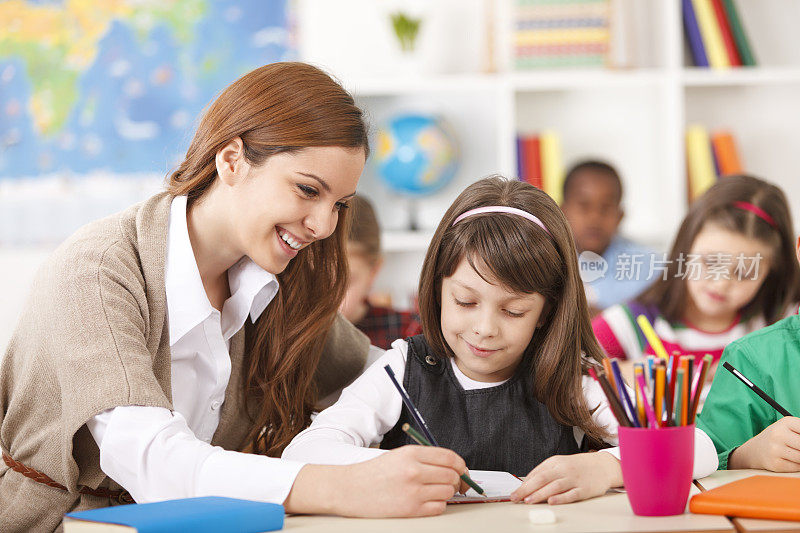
{"points": [[748, 432]]}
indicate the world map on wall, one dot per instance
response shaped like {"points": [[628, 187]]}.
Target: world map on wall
{"points": [[117, 85]]}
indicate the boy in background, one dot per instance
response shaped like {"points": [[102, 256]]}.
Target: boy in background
{"points": [[382, 325], [592, 204]]}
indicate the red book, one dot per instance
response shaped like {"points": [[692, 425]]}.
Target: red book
{"points": [[727, 34], [532, 160]]}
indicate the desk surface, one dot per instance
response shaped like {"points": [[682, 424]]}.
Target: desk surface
{"points": [[608, 513], [721, 477]]}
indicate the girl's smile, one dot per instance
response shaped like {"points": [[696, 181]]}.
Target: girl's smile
{"points": [[480, 352]]}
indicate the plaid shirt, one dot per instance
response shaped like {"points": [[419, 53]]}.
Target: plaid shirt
{"points": [[384, 326]]}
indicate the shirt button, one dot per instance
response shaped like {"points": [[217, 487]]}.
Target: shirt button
{"points": [[215, 405]]}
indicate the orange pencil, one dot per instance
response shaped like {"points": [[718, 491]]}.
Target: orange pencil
{"points": [[638, 369], [609, 372], [661, 376]]}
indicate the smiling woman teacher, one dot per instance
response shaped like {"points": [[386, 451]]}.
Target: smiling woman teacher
{"points": [[158, 342]]}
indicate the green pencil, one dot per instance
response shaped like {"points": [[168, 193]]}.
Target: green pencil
{"points": [[422, 441], [678, 411]]}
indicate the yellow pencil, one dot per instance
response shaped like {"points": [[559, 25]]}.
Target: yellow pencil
{"points": [[651, 336]]}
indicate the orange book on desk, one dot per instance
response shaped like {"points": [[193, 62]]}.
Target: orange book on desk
{"points": [[771, 497]]}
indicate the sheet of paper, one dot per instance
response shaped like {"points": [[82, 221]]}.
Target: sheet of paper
{"points": [[497, 486]]}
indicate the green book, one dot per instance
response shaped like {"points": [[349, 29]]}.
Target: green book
{"points": [[742, 44]]}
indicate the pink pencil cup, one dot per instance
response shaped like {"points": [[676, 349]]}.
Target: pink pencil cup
{"points": [[657, 468]]}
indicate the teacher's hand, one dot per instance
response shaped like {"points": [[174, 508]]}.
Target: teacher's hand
{"points": [[405, 482]]}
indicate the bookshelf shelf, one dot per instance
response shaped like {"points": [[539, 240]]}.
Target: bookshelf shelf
{"points": [[563, 79], [704, 77], [415, 84]]}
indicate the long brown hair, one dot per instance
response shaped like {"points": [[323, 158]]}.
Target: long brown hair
{"points": [[524, 258], [279, 108], [717, 206]]}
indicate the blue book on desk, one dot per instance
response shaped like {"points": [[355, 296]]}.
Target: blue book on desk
{"points": [[199, 515]]}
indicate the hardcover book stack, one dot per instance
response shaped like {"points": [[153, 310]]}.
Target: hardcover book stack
{"points": [[716, 34]]}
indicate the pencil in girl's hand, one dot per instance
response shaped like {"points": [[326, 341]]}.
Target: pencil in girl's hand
{"points": [[422, 441], [623, 394], [651, 417], [697, 386], [616, 406], [415, 414], [651, 336], [753, 387]]}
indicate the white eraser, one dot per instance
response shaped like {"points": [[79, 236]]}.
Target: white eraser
{"points": [[541, 516]]}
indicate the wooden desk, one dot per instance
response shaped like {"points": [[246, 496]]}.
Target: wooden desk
{"points": [[721, 477], [608, 513]]}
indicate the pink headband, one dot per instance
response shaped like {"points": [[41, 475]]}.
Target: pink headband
{"points": [[501, 209], [757, 211]]}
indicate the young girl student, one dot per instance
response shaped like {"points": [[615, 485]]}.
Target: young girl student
{"points": [[731, 271], [158, 342], [499, 373], [746, 430]]}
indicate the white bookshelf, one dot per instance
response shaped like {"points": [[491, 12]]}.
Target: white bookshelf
{"points": [[635, 118]]}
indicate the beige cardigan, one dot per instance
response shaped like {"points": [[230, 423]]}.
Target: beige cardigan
{"points": [[93, 336]]}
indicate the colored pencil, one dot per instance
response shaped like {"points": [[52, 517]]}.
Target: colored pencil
{"points": [[658, 404], [613, 401], [651, 417], [676, 412], [649, 374], [697, 386], [671, 381], [685, 392], [609, 372], [623, 393], [753, 387], [410, 405], [638, 369], [651, 336], [422, 441]]}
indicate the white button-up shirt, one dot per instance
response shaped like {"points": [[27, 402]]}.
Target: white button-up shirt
{"points": [[159, 454]]}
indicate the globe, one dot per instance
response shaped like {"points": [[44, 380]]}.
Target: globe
{"points": [[416, 154]]}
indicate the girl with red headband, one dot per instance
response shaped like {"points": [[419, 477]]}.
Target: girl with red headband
{"points": [[731, 271]]}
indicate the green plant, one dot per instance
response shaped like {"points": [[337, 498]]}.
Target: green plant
{"points": [[406, 28]]}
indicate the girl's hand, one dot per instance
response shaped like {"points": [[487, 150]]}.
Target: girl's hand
{"points": [[777, 448], [407, 481], [570, 478]]}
